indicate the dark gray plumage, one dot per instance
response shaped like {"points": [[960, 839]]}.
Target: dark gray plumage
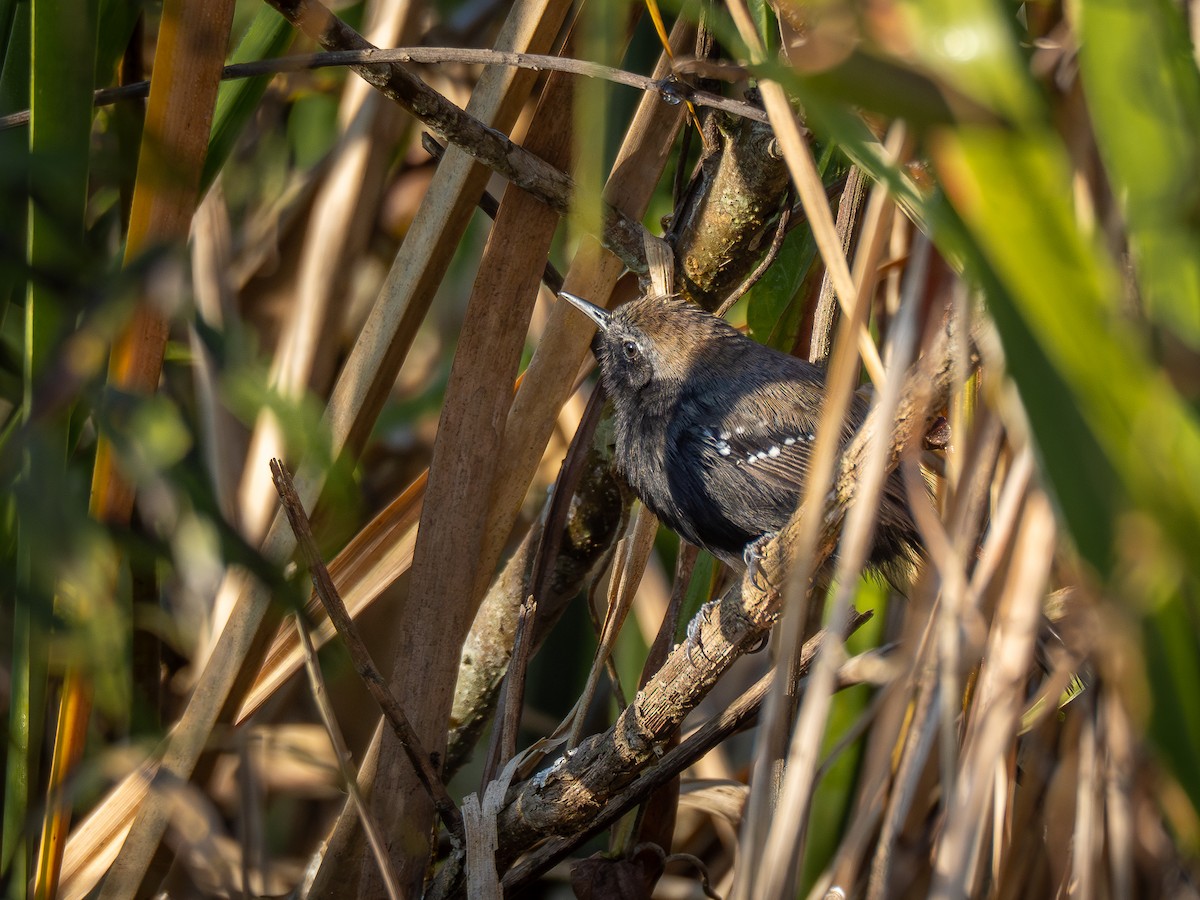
{"points": [[714, 431]]}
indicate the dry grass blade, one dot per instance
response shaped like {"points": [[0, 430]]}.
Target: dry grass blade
{"points": [[996, 706], [379, 554], [627, 575], [366, 668], [449, 574], [854, 195]]}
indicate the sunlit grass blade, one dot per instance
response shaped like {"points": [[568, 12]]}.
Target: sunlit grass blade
{"points": [[269, 35], [62, 68], [182, 94], [27, 671], [1143, 95], [1067, 293]]}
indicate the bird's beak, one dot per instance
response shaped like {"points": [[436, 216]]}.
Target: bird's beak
{"points": [[602, 317]]}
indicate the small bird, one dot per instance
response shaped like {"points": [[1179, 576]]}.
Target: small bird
{"points": [[714, 431]]}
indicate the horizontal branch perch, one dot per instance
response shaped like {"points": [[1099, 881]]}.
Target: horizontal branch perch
{"points": [[672, 91]]}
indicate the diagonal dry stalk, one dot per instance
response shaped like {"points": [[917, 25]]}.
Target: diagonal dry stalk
{"points": [[370, 674]]}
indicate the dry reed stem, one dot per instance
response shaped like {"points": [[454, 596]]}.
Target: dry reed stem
{"points": [[449, 575], [920, 741], [787, 830], [574, 535], [99, 836], [346, 203], [997, 705], [371, 677], [827, 309]]}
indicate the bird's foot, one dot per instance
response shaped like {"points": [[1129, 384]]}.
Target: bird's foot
{"points": [[761, 645], [694, 627], [753, 556]]}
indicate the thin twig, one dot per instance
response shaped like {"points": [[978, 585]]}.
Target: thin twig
{"points": [[620, 233], [375, 682], [320, 696], [508, 716], [551, 277], [781, 230], [672, 91]]}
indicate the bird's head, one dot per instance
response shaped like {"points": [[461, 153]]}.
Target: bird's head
{"points": [[652, 340]]}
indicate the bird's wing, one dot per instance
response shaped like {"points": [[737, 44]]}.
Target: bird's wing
{"points": [[774, 454]]}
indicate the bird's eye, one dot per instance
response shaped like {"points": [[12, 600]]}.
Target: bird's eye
{"points": [[630, 349]]}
